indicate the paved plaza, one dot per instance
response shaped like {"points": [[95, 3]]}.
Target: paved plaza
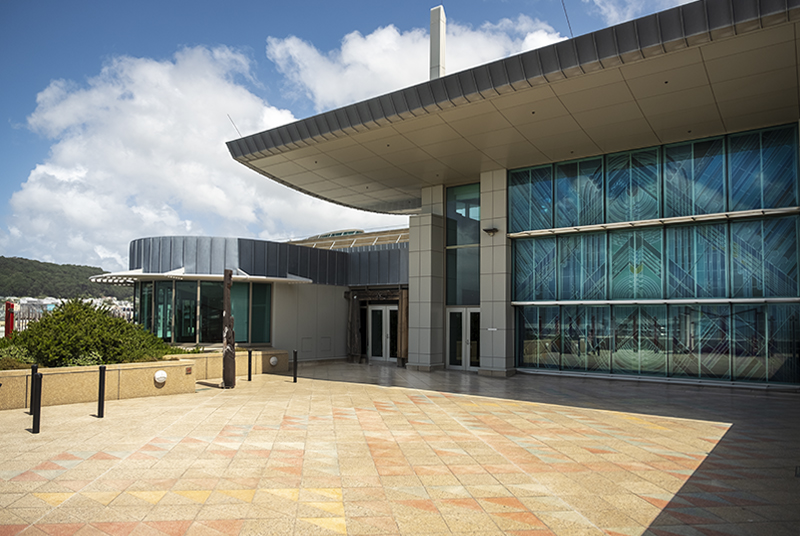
{"points": [[376, 450]]}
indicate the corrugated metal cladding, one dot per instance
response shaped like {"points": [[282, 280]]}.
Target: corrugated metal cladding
{"points": [[272, 259], [195, 254], [384, 264]]}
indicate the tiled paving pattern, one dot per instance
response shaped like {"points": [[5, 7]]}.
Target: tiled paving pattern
{"points": [[409, 453]]}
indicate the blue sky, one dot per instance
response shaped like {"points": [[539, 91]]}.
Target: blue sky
{"points": [[115, 114]]}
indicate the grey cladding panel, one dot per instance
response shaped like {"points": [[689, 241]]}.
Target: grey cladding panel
{"points": [[270, 260], [259, 257], [190, 255], [247, 256], [165, 259], [217, 260], [176, 260], [231, 254], [203, 256]]}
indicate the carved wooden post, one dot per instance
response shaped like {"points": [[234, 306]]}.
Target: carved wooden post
{"points": [[228, 338]]}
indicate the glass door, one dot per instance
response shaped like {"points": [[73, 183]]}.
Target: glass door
{"points": [[463, 338], [382, 332]]}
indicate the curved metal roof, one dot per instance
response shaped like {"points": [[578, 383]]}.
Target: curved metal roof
{"points": [[701, 69]]}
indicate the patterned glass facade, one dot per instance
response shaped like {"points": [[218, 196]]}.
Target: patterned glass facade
{"points": [[612, 274]]}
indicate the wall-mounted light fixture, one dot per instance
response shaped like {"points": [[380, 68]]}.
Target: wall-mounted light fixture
{"points": [[491, 231]]}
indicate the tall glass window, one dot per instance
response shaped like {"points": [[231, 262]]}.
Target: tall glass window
{"points": [[696, 261], [146, 306], [186, 311], [162, 322], [240, 310], [579, 193], [582, 261], [636, 260], [694, 178], [463, 244], [210, 311], [535, 269], [260, 328], [530, 199], [633, 190]]}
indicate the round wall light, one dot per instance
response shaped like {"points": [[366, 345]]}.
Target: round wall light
{"points": [[273, 361], [160, 376]]}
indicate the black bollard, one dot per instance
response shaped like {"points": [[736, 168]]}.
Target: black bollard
{"points": [[295, 367], [34, 370], [249, 365], [101, 394], [36, 407]]}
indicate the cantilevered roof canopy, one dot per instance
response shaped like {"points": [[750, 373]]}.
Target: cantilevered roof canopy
{"points": [[702, 69]]}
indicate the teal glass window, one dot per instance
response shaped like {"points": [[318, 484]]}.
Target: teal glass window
{"points": [[186, 311], [462, 256], [463, 276], [162, 322], [579, 193], [763, 169], [530, 199], [764, 258], [784, 339], [240, 310], [211, 311], [463, 215], [535, 269], [582, 267], [636, 264], [539, 328], [694, 178], [640, 346], [146, 307], [633, 186], [137, 301], [696, 261], [749, 355], [260, 329]]}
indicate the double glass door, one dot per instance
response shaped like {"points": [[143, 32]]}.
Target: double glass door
{"points": [[382, 332], [463, 337]]}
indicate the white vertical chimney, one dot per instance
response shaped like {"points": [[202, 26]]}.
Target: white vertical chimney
{"points": [[438, 26]]}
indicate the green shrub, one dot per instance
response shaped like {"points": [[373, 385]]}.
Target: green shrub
{"points": [[77, 333]]}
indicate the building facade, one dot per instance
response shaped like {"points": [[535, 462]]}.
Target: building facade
{"points": [[623, 203]]}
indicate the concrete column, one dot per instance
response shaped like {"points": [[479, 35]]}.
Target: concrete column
{"points": [[497, 315], [438, 32], [426, 283]]}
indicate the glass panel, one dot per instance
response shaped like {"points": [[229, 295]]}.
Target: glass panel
{"points": [[186, 311], [540, 338], [262, 311], [455, 338], [163, 309], [694, 178], [583, 267], [523, 270], [625, 356], [240, 310], [780, 257], [763, 169], [747, 257], [749, 359], [464, 215], [147, 306], [714, 341], [579, 187], [519, 201], [376, 333], [392, 332], [573, 337], [633, 186], [636, 264], [210, 311], [474, 339], [684, 348], [137, 301], [598, 342], [783, 344], [463, 276]]}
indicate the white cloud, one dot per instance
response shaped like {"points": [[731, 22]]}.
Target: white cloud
{"points": [[616, 11], [387, 59], [139, 150]]}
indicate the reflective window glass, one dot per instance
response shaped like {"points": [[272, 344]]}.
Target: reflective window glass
{"points": [[582, 267], [260, 330], [162, 321], [633, 188], [694, 178], [579, 189], [696, 261], [240, 310], [463, 276], [636, 263], [186, 311], [211, 308], [463, 215]]}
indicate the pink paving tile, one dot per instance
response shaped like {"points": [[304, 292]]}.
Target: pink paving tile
{"points": [[28, 476], [225, 526], [421, 504], [522, 517], [60, 529], [469, 504], [116, 528], [171, 528], [104, 456], [11, 530], [48, 466], [66, 456], [508, 502]]}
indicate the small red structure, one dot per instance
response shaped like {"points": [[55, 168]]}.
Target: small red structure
{"points": [[9, 318]]}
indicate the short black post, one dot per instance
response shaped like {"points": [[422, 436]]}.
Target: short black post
{"points": [[101, 394], [249, 365], [295, 367], [34, 370], [36, 407]]}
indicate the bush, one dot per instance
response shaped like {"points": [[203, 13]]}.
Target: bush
{"points": [[77, 333]]}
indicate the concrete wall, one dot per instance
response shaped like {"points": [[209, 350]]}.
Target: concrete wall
{"points": [[209, 366], [311, 319], [497, 314], [71, 385], [426, 333]]}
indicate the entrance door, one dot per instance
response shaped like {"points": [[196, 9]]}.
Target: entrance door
{"points": [[382, 332], [463, 338]]}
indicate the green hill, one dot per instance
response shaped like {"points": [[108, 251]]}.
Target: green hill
{"points": [[24, 277]]}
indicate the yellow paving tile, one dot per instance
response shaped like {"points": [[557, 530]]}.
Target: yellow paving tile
{"points": [[53, 499]]}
